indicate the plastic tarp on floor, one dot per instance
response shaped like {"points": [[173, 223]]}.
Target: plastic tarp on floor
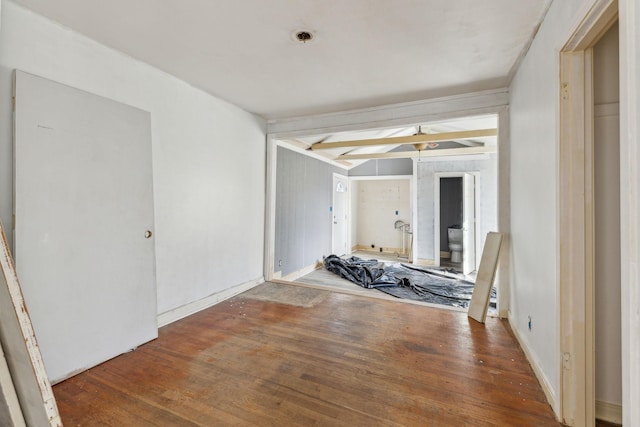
{"points": [[405, 281]]}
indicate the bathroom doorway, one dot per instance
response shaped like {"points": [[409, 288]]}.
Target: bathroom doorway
{"points": [[456, 199]]}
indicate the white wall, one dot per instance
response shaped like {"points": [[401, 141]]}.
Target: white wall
{"points": [[607, 219], [534, 111], [208, 155], [303, 208], [378, 201]]}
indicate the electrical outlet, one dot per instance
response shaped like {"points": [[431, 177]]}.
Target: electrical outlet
{"points": [[380, 249], [279, 263]]}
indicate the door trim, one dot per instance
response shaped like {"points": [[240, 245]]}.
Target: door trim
{"points": [[347, 210], [436, 212], [630, 207], [575, 217]]}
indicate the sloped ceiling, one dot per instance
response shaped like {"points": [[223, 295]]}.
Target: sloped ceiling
{"points": [[364, 52], [461, 124]]}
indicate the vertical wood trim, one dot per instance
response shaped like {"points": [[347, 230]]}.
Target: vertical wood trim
{"points": [[347, 208], [576, 225], [589, 165], [629, 210], [436, 218], [414, 212], [270, 208], [504, 211], [576, 285]]}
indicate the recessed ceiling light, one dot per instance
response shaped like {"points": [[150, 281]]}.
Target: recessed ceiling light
{"points": [[303, 36]]}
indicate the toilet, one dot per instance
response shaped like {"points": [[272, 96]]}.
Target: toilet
{"points": [[455, 244]]}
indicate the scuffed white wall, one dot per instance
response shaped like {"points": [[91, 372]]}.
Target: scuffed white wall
{"points": [[377, 203], [534, 112], [208, 155]]}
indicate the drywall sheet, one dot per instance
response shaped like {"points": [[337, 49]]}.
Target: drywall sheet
{"points": [[486, 274], [23, 358], [84, 248], [382, 202]]}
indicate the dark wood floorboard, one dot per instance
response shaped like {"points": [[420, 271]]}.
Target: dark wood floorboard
{"points": [[283, 355]]}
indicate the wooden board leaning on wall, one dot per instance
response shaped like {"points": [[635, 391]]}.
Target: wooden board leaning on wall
{"points": [[26, 368]]}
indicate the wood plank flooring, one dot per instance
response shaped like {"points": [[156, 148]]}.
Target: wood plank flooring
{"points": [[282, 355]]}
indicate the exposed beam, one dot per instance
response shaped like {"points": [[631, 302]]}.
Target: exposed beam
{"points": [[413, 139], [337, 160], [417, 154], [468, 143]]}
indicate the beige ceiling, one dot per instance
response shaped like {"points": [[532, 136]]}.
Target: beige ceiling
{"points": [[365, 52]]}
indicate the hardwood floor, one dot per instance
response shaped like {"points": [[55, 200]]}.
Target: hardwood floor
{"points": [[600, 423], [282, 355]]}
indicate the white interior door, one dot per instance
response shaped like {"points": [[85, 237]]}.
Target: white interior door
{"points": [[340, 217], [83, 222], [468, 223]]}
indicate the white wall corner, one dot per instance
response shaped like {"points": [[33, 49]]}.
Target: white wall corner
{"points": [[545, 384], [291, 277], [206, 302]]}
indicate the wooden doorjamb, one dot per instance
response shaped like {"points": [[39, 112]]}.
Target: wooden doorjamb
{"points": [[630, 207], [270, 209], [576, 223]]}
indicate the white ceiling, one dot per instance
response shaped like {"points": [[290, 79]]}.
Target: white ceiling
{"points": [[365, 53]]}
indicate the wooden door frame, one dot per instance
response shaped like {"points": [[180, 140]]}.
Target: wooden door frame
{"points": [[347, 228], [629, 20], [576, 222], [436, 212]]}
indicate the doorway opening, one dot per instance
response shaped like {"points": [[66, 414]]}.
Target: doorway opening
{"points": [[455, 221], [340, 211], [381, 217], [318, 180], [577, 214]]}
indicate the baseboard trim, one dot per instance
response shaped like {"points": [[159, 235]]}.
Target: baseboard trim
{"points": [[542, 379], [427, 262], [206, 302], [609, 412], [302, 272], [385, 250]]}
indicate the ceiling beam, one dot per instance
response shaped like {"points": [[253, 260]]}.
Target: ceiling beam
{"points": [[421, 154], [413, 139]]}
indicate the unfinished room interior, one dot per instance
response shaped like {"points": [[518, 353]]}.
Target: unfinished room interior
{"points": [[176, 179]]}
